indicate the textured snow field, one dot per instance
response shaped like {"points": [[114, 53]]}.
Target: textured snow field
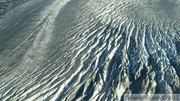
{"points": [[89, 50]]}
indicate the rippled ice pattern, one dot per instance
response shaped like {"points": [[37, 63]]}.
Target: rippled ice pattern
{"points": [[90, 50]]}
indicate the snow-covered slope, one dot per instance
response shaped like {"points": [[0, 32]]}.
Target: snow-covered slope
{"points": [[96, 50]]}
